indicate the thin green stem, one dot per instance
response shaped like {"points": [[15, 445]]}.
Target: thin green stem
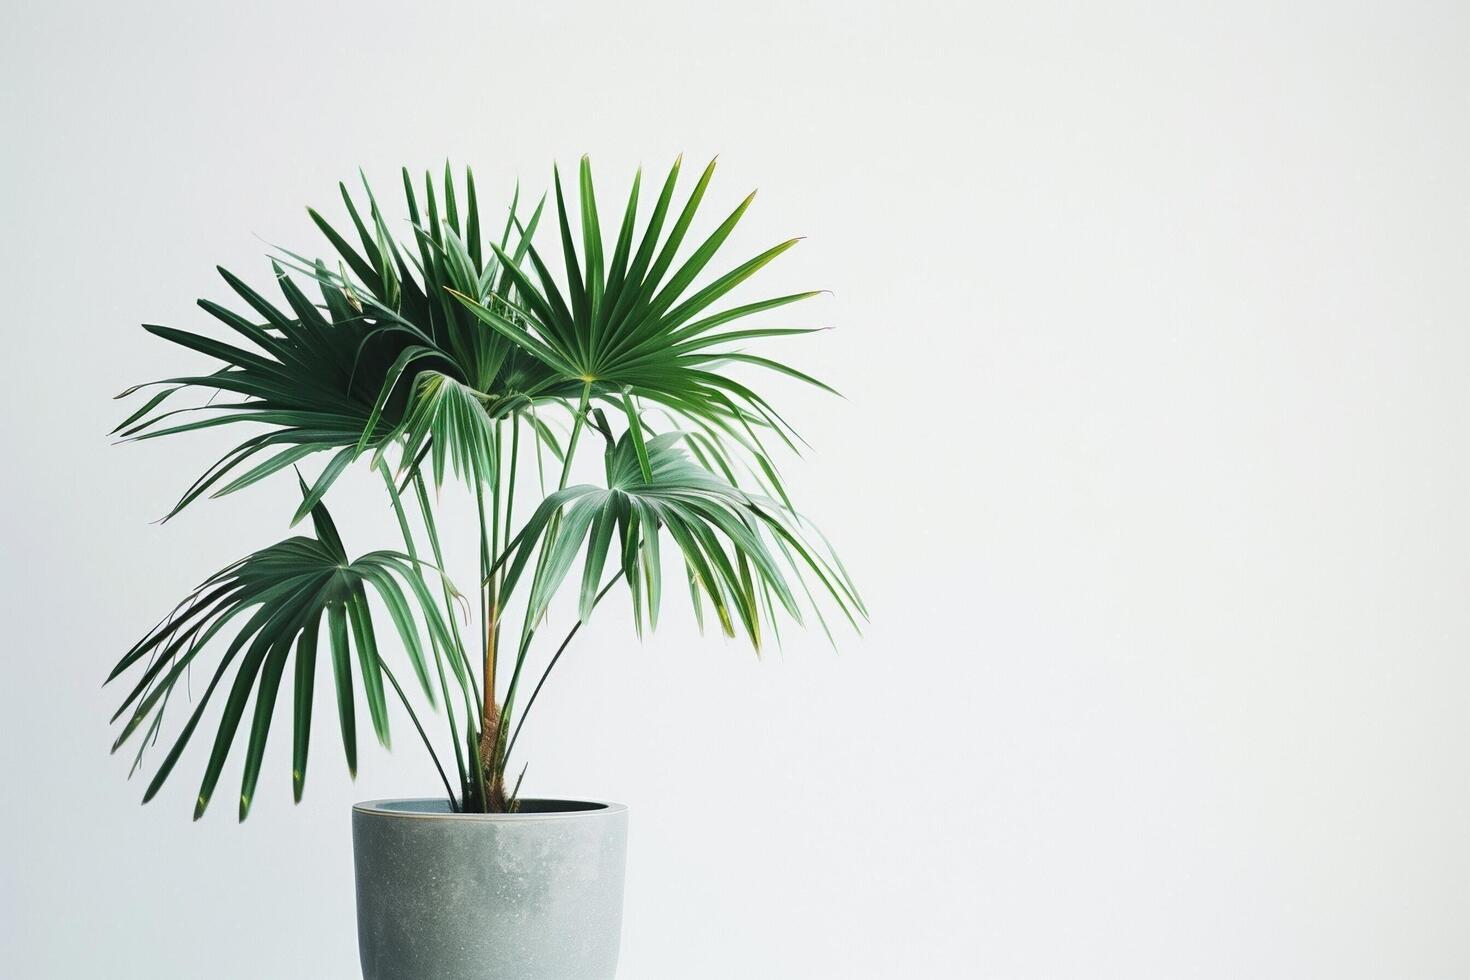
{"points": [[531, 701], [555, 524], [510, 489], [427, 512], [439, 654], [422, 734], [540, 461], [528, 624], [484, 572], [577, 425], [493, 580], [474, 783], [495, 526]]}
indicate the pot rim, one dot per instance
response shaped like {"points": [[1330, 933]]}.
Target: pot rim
{"points": [[386, 808]]}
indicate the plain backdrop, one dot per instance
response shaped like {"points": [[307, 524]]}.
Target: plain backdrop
{"points": [[1152, 326]]}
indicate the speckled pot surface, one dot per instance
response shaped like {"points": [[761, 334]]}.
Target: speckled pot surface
{"points": [[535, 895]]}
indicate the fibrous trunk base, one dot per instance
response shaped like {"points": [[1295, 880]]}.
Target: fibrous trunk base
{"points": [[495, 798]]}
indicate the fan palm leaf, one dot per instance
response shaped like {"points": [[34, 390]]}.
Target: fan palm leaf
{"points": [[341, 375], [283, 594], [631, 323], [312, 377], [739, 549]]}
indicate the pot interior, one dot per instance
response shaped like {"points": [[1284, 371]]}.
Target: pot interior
{"points": [[526, 806]]}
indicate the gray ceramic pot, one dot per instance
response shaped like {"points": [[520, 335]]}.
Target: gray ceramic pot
{"points": [[534, 895]]}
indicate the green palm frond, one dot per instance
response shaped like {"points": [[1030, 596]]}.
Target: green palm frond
{"points": [[448, 254], [283, 594], [450, 421], [312, 377], [741, 552], [340, 374], [632, 322]]}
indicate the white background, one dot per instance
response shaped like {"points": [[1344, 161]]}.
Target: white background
{"points": [[1152, 323]]}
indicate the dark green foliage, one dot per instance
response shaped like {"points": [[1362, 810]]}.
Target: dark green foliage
{"points": [[434, 356]]}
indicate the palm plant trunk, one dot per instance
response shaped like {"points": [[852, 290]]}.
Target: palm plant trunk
{"points": [[495, 799]]}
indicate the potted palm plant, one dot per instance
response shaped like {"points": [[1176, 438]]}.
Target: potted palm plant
{"points": [[462, 356]]}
